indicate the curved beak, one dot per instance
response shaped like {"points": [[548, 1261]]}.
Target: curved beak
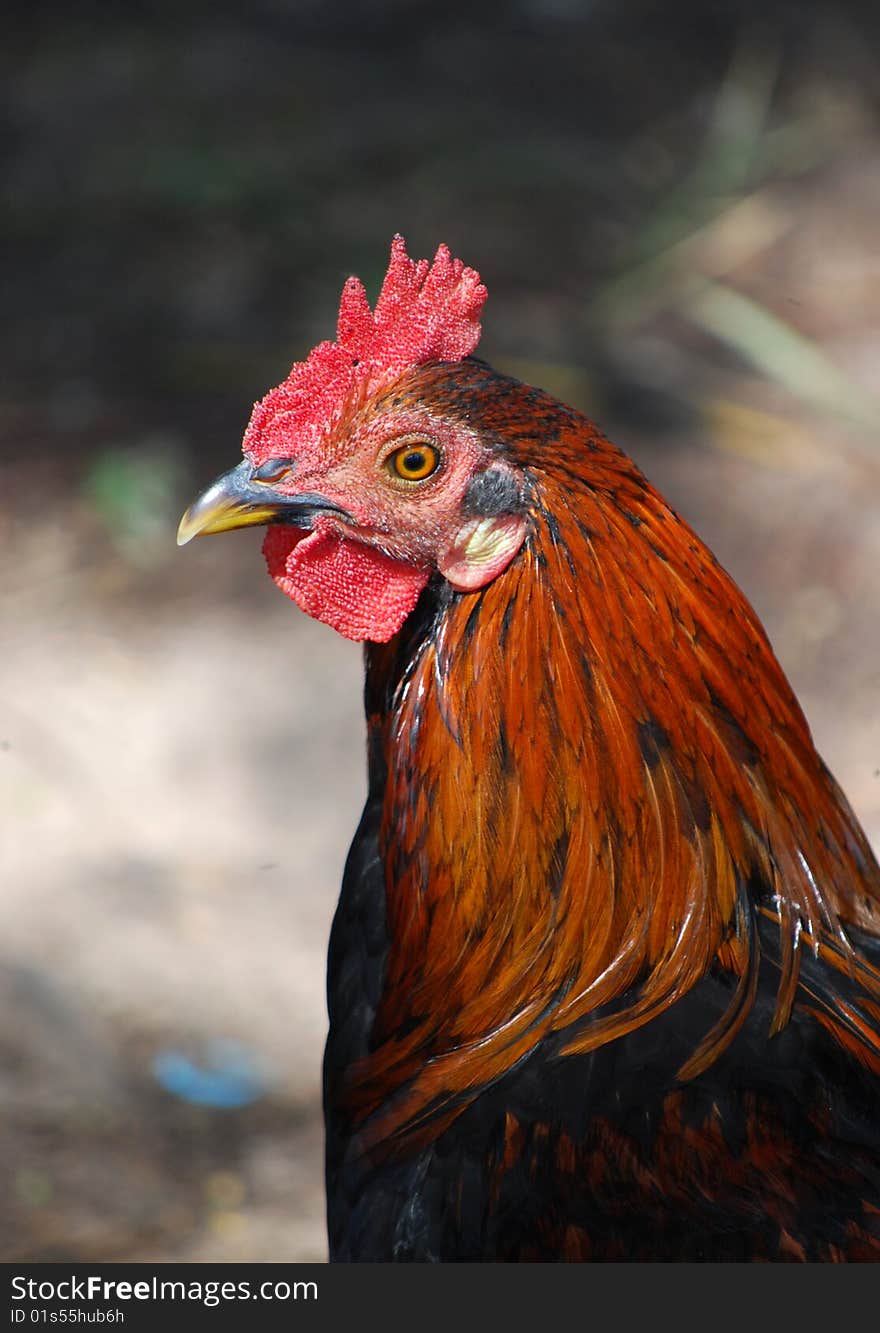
{"points": [[236, 500]]}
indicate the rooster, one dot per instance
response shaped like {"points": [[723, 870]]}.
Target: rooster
{"points": [[604, 976]]}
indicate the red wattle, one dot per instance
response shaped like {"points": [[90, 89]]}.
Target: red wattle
{"points": [[355, 588]]}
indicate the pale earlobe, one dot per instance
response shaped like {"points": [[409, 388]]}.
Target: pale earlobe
{"points": [[482, 549]]}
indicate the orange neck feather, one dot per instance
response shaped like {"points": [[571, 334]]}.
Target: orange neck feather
{"points": [[598, 774]]}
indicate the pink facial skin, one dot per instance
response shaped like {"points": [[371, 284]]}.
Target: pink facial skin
{"points": [[365, 579]]}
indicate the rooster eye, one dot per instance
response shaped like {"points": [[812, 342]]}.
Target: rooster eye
{"points": [[414, 462]]}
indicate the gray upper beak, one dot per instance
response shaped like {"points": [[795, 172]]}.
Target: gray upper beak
{"points": [[238, 500]]}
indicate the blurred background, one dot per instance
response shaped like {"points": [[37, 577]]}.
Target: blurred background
{"points": [[675, 208]]}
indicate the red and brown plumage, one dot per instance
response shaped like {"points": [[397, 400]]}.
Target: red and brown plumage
{"points": [[603, 979]]}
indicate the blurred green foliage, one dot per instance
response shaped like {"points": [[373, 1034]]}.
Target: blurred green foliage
{"points": [[135, 492]]}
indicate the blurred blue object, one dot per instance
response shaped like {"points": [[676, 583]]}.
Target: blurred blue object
{"points": [[232, 1075]]}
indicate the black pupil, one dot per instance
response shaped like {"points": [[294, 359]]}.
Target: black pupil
{"points": [[415, 461]]}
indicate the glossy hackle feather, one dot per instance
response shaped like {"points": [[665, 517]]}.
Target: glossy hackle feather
{"points": [[602, 862]]}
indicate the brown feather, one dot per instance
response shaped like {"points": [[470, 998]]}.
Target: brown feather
{"points": [[591, 845]]}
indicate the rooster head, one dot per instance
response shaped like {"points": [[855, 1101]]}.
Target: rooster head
{"points": [[369, 483]]}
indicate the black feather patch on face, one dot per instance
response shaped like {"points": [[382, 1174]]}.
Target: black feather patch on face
{"points": [[492, 492]]}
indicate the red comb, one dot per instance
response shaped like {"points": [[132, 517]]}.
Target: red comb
{"points": [[424, 313]]}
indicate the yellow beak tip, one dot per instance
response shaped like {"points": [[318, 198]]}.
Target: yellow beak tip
{"points": [[186, 531]]}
